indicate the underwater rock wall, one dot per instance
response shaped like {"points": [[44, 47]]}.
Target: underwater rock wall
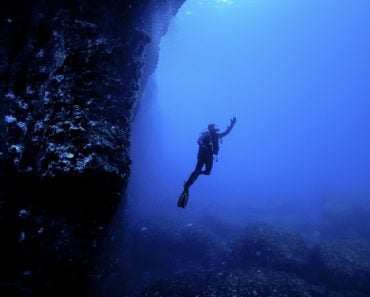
{"points": [[71, 74]]}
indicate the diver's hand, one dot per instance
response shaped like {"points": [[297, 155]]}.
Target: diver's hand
{"points": [[233, 121]]}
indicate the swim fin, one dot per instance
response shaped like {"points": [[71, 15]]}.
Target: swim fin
{"points": [[183, 200]]}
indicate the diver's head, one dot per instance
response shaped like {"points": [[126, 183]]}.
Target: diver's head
{"points": [[212, 128]]}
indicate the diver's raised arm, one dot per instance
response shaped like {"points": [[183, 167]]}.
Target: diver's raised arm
{"points": [[228, 129]]}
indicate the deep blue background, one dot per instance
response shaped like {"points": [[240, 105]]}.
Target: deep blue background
{"points": [[296, 75]]}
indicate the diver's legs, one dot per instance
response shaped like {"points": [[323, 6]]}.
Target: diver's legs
{"points": [[209, 164], [194, 175]]}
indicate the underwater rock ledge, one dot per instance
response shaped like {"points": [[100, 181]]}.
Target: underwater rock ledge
{"points": [[71, 73]]}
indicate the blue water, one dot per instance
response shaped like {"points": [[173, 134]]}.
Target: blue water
{"points": [[295, 74]]}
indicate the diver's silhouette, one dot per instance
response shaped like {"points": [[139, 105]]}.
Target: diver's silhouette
{"points": [[208, 147]]}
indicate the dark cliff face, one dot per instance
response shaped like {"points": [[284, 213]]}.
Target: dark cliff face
{"points": [[71, 73], [70, 76]]}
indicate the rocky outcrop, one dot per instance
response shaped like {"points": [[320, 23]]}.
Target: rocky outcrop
{"points": [[254, 282], [267, 246], [187, 247], [343, 264], [156, 251], [71, 73]]}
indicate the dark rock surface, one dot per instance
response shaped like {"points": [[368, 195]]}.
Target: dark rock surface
{"points": [[343, 264], [267, 261], [71, 73], [156, 251], [184, 247], [254, 282], [267, 246]]}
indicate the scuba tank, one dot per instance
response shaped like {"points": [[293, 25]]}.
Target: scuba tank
{"points": [[208, 142]]}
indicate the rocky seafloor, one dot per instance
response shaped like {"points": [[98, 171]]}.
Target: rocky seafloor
{"points": [[264, 261]]}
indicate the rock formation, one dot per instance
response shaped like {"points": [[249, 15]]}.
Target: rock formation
{"points": [[71, 74]]}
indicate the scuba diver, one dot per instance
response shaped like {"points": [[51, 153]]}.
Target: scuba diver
{"points": [[208, 147]]}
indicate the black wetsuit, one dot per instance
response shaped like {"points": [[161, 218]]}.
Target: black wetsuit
{"points": [[208, 147]]}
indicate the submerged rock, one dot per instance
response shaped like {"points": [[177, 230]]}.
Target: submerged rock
{"points": [[254, 282], [343, 264], [264, 245], [349, 294], [185, 247], [71, 73]]}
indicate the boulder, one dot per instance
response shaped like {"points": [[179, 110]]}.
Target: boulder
{"points": [[264, 245]]}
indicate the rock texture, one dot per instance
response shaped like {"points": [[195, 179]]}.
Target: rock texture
{"points": [[344, 264], [254, 282], [267, 261], [271, 247], [71, 72]]}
